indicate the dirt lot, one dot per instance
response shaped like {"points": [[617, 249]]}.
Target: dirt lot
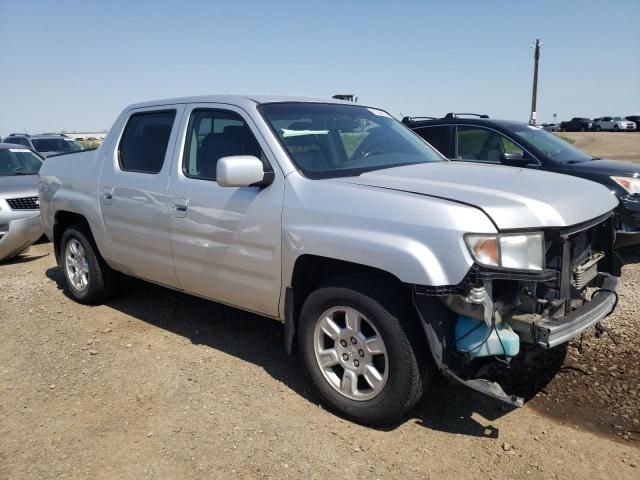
{"points": [[157, 384], [162, 385], [610, 145]]}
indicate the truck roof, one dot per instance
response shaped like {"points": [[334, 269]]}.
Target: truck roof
{"points": [[239, 100]]}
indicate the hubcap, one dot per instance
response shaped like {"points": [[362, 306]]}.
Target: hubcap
{"points": [[350, 353], [76, 265]]}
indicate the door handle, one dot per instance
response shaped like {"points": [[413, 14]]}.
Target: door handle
{"points": [[107, 193], [181, 205]]}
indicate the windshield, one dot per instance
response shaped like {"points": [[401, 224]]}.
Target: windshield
{"points": [[19, 161], [56, 145], [332, 140], [553, 147]]}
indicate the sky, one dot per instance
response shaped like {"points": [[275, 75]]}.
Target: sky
{"points": [[74, 65]]}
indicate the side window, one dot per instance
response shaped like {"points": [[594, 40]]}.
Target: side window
{"points": [[437, 137], [213, 134], [144, 142], [17, 141], [509, 147], [477, 143]]}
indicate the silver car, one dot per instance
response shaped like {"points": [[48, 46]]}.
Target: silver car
{"points": [[615, 124], [19, 215], [385, 262]]}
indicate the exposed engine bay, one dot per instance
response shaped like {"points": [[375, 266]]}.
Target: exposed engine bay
{"points": [[500, 315]]}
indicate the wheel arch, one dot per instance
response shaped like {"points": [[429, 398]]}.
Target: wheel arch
{"points": [[310, 271]]}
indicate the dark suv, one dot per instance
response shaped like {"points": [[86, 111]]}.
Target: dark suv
{"points": [[576, 124], [479, 139], [46, 144]]}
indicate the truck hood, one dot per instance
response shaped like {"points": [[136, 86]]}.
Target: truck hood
{"points": [[18, 186], [511, 197]]}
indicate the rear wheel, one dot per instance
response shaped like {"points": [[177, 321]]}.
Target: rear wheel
{"points": [[616, 128], [89, 279], [362, 351]]}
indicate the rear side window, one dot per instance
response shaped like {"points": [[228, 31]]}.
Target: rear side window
{"points": [[144, 142], [437, 137]]}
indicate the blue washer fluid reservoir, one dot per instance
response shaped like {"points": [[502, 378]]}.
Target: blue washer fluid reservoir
{"points": [[472, 337]]}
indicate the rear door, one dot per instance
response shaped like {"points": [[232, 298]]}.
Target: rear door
{"points": [[136, 208], [226, 241]]}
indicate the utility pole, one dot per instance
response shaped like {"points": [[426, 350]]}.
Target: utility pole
{"points": [[534, 94]]}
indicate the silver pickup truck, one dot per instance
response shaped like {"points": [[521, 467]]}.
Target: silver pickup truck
{"points": [[385, 262]]}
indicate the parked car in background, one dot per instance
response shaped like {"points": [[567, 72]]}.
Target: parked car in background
{"points": [[550, 127], [615, 124], [381, 258], [20, 224], [635, 119], [494, 142], [45, 144], [576, 124]]}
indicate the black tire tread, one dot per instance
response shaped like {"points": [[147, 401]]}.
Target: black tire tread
{"points": [[103, 281], [403, 322]]}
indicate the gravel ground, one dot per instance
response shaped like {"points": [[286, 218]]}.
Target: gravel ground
{"points": [[157, 384]]}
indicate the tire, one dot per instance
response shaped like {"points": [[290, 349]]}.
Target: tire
{"points": [[404, 370], [94, 281], [583, 129], [562, 129], [616, 128], [598, 128]]}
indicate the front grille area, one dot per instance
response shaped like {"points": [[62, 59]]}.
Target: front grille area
{"points": [[24, 203]]}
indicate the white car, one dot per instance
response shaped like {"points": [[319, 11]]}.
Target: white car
{"points": [[616, 124]]}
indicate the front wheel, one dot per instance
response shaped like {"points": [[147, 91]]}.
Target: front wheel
{"points": [[363, 352], [89, 279]]}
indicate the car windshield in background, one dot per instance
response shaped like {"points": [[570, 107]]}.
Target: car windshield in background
{"points": [[19, 161], [332, 140], [555, 148], [56, 145]]}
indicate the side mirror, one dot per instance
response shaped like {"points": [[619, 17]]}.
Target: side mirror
{"points": [[514, 159], [242, 171]]}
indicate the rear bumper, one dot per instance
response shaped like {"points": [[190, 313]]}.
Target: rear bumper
{"points": [[20, 234], [550, 332]]}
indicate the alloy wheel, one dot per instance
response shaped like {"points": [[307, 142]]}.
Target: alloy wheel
{"points": [[351, 353]]}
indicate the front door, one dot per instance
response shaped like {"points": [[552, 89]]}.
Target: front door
{"points": [[483, 145], [135, 205], [226, 240]]}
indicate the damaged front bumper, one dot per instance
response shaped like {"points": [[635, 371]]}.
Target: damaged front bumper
{"points": [[550, 332], [537, 331], [539, 310], [18, 235]]}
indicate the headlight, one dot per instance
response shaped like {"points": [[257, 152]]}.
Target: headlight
{"points": [[630, 184], [517, 251]]}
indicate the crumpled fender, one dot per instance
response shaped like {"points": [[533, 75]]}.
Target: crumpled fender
{"points": [[438, 323]]}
